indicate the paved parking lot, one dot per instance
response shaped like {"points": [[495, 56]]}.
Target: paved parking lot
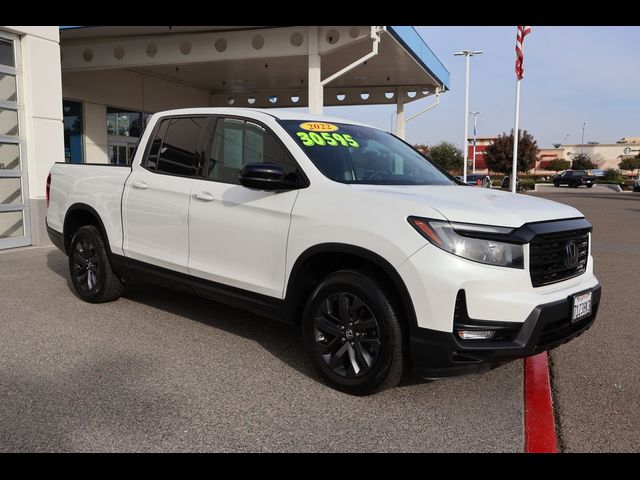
{"points": [[163, 371], [596, 377]]}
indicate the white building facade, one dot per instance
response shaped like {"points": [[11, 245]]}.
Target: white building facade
{"points": [[31, 131]]}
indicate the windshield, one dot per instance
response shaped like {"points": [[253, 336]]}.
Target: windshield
{"points": [[363, 155]]}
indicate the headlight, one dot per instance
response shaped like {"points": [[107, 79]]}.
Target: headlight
{"points": [[462, 240]]}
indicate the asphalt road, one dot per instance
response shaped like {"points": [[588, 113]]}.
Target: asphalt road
{"points": [[596, 377], [163, 371]]}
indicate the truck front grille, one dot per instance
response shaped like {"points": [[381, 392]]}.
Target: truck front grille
{"points": [[557, 256]]}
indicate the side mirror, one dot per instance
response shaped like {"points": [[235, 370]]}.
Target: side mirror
{"points": [[266, 176]]}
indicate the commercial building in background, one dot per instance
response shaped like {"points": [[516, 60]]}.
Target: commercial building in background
{"points": [[481, 146], [83, 94], [603, 155]]}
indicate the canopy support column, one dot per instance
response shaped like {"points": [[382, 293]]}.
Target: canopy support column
{"points": [[316, 89], [400, 123]]}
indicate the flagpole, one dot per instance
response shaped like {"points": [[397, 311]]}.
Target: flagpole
{"points": [[514, 168], [466, 123], [475, 139]]}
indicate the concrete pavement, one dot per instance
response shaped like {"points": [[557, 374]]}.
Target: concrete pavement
{"points": [[595, 378]]}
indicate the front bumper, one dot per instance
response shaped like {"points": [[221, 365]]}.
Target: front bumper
{"points": [[437, 354]]}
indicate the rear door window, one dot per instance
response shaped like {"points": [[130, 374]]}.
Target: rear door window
{"points": [[177, 147]]}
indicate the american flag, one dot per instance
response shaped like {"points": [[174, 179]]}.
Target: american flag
{"points": [[522, 32]]}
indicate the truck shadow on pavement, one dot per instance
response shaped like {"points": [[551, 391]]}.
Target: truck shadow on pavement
{"points": [[283, 341]]}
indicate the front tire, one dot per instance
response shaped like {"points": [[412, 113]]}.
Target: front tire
{"points": [[92, 277], [589, 186], [352, 334]]}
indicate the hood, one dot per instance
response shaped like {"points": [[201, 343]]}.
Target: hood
{"points": [[485, 206]]}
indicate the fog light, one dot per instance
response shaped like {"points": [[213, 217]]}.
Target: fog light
{"points": [[476, 334]]}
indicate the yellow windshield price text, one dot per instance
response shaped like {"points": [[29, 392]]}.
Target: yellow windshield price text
{"points": [[312, 139], [318, 127]]}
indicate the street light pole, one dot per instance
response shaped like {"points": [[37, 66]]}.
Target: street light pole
{"points": [[475, 115], [582, 143], [465, 143]]}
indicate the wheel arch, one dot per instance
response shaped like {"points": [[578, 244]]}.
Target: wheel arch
{"points": [[320, 260], [78, 215]]}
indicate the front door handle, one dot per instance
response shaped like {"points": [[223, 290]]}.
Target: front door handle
{"points": [[203, 196], [139, 185]]}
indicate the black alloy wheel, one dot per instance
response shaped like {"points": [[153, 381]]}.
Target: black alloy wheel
{"points": [[92, 277], [347, 335], [352, 333], [86, 267]]}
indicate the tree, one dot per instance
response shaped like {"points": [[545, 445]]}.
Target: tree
{"points": [[499, 155], [630, 163], [582, 161], [447, 155], [423, 148], [558, 164]]}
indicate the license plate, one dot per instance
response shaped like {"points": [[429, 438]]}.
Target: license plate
{"points": [[581, 306]]}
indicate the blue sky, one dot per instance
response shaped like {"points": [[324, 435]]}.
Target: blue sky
{"points": [[572, 75]]}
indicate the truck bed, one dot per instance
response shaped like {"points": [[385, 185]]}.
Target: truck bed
{"points": [[99, 186]]}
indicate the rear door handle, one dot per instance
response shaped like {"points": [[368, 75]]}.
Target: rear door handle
{"points": [[203, 196], [139, 185]]}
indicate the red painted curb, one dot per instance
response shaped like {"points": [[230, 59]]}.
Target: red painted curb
{"points": [[539, 424]]}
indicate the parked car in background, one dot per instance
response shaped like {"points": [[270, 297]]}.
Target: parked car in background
{"points": [[477, 179], [636, 183], [574, 179], [506, 183]]}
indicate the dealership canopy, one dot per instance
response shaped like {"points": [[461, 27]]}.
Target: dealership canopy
{"points": [[265, 67]]}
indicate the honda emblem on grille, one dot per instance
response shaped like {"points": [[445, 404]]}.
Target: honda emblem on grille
{"points": [[571, 254]]}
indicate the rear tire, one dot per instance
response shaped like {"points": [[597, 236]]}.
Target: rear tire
{"points": [[352, 333], [92, 277]]}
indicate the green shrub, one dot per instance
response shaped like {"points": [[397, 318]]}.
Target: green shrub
{"points": [[611, 175]]}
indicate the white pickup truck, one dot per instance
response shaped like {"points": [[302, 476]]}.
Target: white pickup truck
{"points": [[386, 261]]}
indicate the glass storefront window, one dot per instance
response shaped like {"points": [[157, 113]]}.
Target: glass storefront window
{"points": [[9, 156], [8, 122], [124, 128], [72, 115], [8, 92], [14, 213], [6, 53], [11, 224], [10, 190], [123, 123]]}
